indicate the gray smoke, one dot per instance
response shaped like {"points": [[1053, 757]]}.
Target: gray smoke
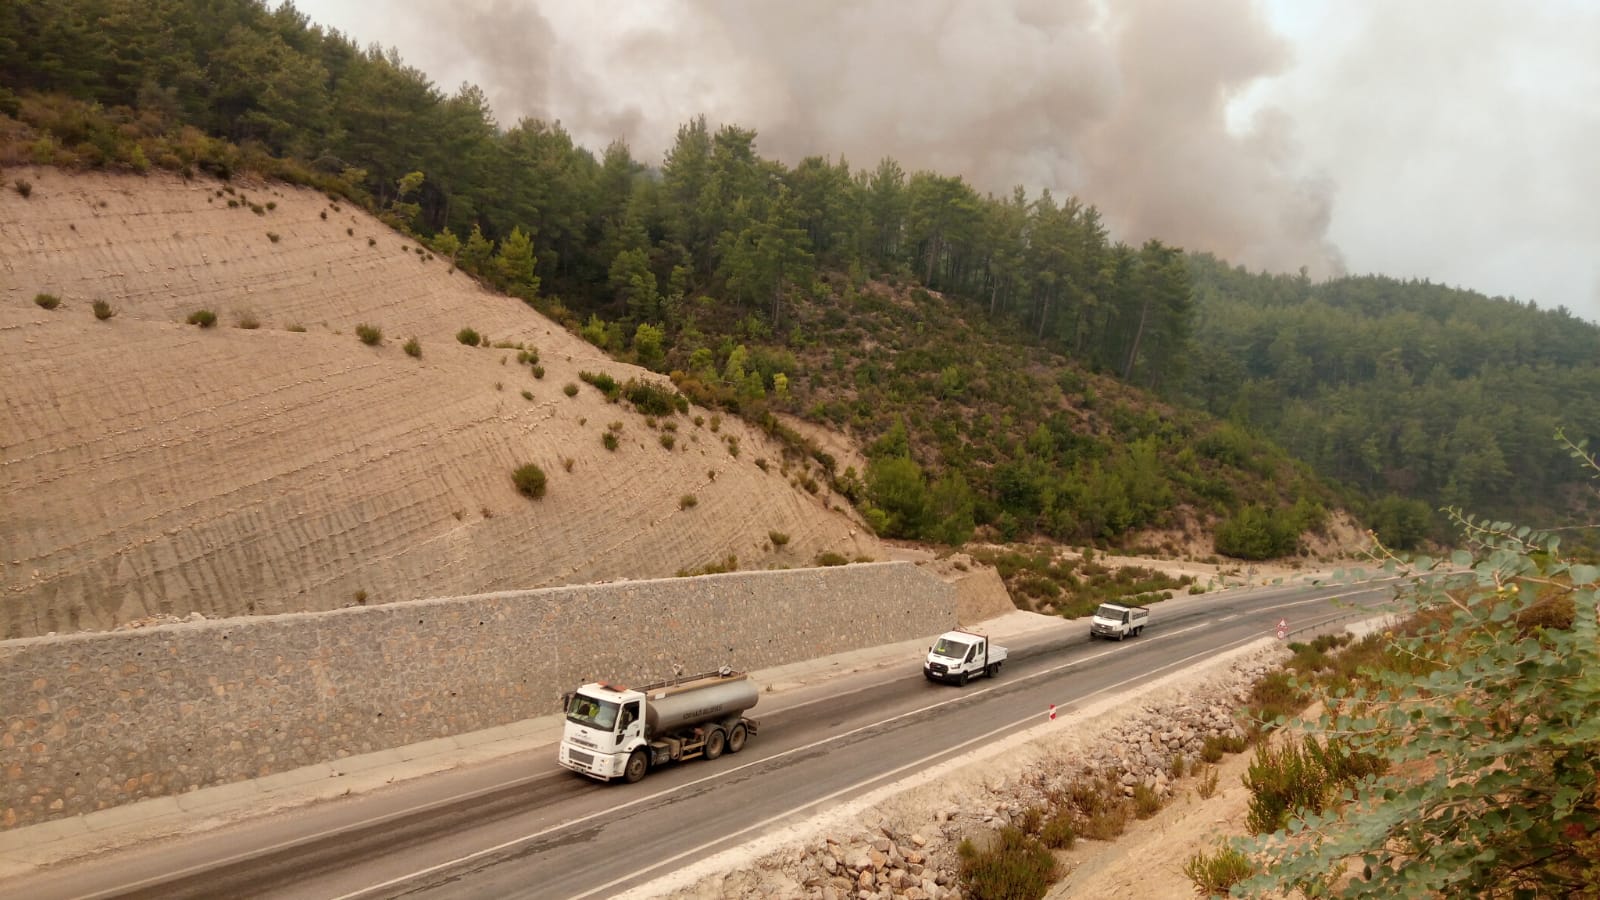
{"points": [[1124, 104]]}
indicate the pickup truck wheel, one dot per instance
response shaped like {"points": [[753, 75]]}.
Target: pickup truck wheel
{"points": [[1122, 635], [1138, 631], [638, 765], [716, 742], [994, 670], [736, 738], [962, 680]]}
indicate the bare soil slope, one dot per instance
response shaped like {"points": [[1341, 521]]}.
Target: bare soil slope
{"points": [[149, 467]]}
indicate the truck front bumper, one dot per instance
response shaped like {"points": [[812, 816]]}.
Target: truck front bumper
{"points": [[600, 766], [941, 674]]}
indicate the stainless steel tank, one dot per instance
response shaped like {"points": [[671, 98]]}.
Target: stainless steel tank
{"points": [[698, 702]]}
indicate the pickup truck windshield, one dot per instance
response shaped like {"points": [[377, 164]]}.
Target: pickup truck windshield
{"points": [[951, 649], [594, 713], [1112, 612]]}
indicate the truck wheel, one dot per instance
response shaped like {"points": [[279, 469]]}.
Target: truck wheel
{"points": [[1138, 631], [638, 764], [1122, 635], [994, 670], [736, 738], [716, 742], [962, 680]]}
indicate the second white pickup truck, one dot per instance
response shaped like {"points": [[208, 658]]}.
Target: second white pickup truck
{"points": [[1113, 620], [962, 655]]}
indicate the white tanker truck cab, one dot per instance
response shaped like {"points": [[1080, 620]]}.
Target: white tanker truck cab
{"points": [[612, 731]]}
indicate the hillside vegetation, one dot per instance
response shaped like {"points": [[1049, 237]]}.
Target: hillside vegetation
{"points": [[333, 437], [1002, 365]]}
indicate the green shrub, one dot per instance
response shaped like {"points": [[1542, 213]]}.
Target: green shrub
{"points": [[205, 318], [103, 310], [1017, 867], [1216, 745], [609, 439], [650, 398], [1275, 696], [830, 558], [602, 382], [1215, 874], [777, 538], [538, 371], [1146, 802], [296, 327], [1282, 783], [1108, 821], [527, 395], [688, 501], [47, 301], [413, 348], [370, 335], [667, 440], [530, 480], [469, 337], [1057, 832], [1206, 787], [570, 389]]}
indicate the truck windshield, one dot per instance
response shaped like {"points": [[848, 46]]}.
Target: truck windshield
{"points": [[1110, 612], [593, 712], [951, 649]]}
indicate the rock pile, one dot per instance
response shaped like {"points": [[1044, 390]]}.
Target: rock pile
{"points": [[884, 858]]}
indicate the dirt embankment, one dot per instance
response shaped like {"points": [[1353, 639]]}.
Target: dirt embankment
{"points": [[275, 463]]}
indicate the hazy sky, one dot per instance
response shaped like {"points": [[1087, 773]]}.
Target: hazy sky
{"points": [[1456, 140]]}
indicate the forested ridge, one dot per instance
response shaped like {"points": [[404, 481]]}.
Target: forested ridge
{"points": [[992, 352]]}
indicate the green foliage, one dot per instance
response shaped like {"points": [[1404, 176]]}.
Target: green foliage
{"points": [[603, 383], [530, 480], [647, 397], [103, 310], [371, 335], [1398, 522], [570, 389], [1146, 802], [688, 501], [47, 301], [1016, 867], [1257, 533], [205, 318], [1485, 737], [778, 538], [1057, 832], [413, 348], [469, 337], [830, 558], [609, 440], [898, 497], [1214, 874]]}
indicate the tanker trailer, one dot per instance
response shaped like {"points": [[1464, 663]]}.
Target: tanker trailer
{"points": [[613, 731]]}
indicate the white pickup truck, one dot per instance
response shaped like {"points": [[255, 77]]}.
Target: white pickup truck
{"points": [[1113, 620], [961, 655]]}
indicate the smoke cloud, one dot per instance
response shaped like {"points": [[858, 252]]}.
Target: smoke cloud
{"points": [[1455, 135]]}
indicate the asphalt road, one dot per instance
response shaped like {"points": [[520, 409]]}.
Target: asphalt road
{"points": [[522, 827]]}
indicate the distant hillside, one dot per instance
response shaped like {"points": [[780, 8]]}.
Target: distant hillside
{"points": [[274, 462], [1409, 389]]}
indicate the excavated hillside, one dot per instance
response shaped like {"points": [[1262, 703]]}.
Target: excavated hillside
{"points": [[276, 463]]}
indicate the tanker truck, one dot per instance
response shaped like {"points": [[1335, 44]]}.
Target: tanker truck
{"points": [[613, 731]]}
